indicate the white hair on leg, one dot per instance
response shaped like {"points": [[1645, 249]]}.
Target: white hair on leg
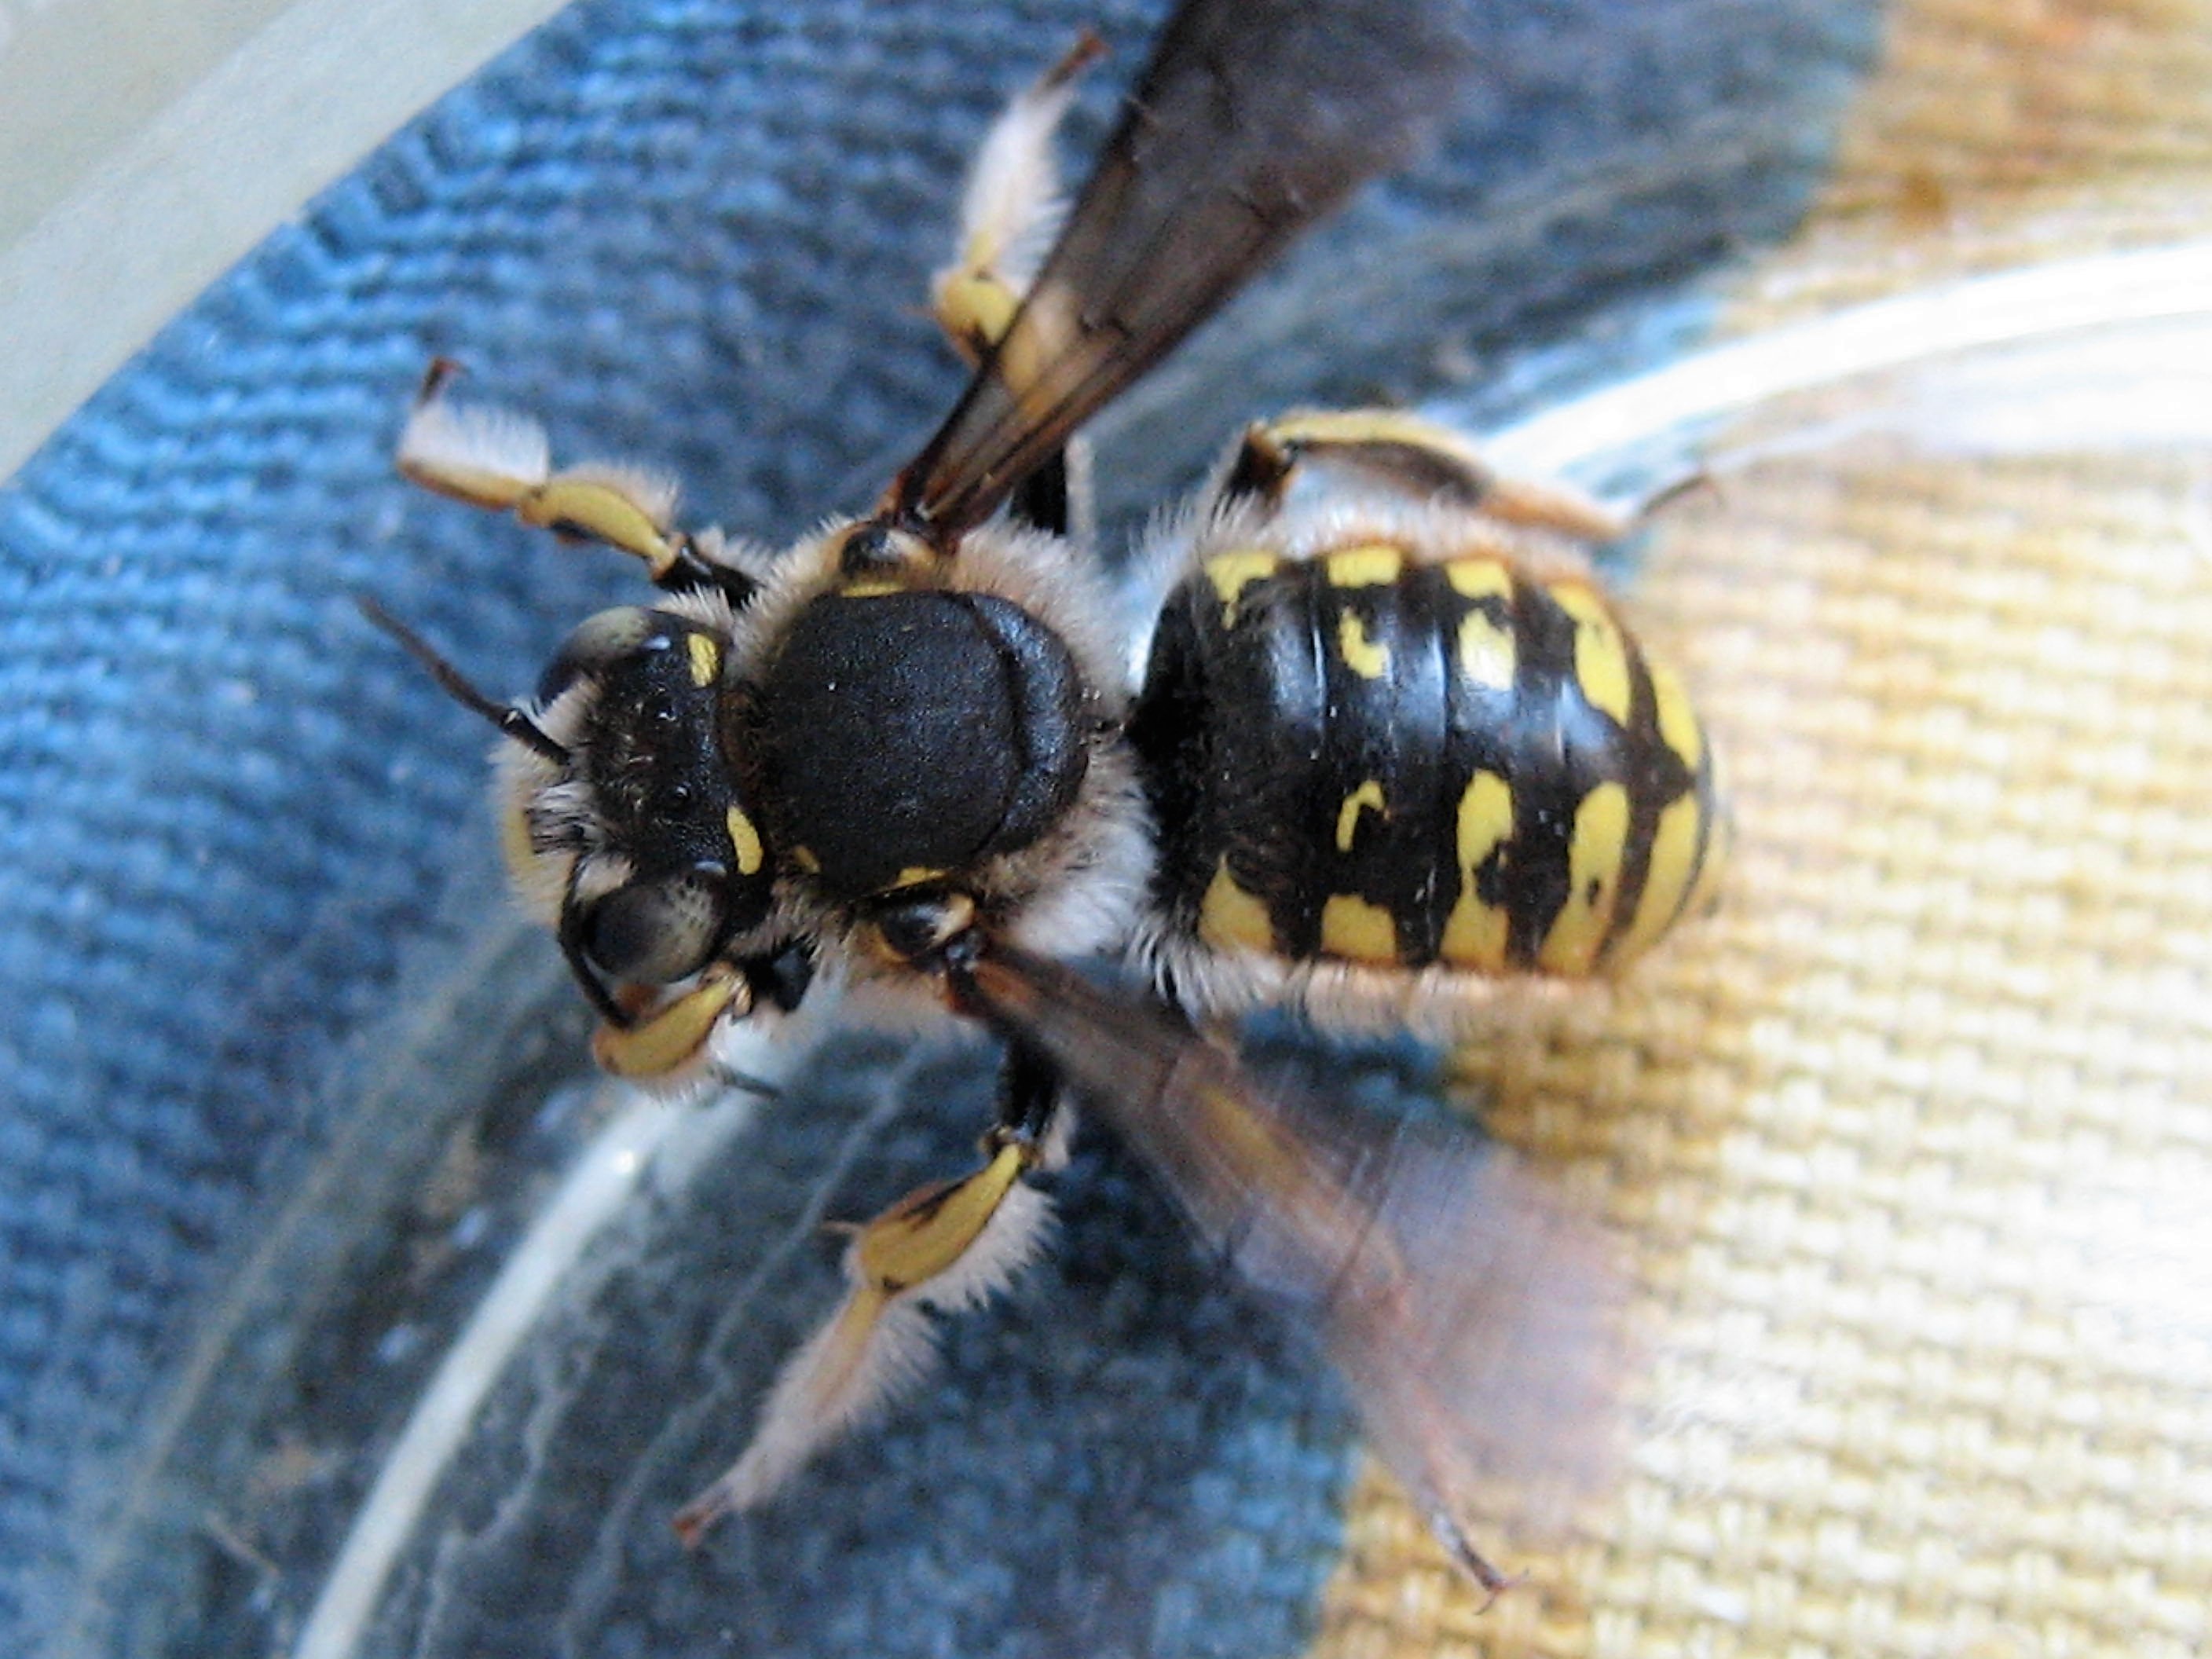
{"points": [[1011, 210], [878, 1345], [488, 456]]}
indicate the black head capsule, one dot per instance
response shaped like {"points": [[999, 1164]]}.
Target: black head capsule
{"points": [[674, 866], [908, 735]]}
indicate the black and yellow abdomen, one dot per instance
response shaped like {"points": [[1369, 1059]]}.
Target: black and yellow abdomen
{"points": [[1381, 760]]}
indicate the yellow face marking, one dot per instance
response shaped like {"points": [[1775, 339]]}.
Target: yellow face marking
{"points": [[1232, 572], [1674, 860], [746, 842], [1475, 933], [1374, 565], [1230, 917], [1600, 653], [1369, 795], [1353, 928], [913, 875], [805, 858], [872, 587], [1593, 862], [1678, 720], [1361, 655], [705, 653]]}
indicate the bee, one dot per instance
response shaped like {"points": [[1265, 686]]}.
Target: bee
{"points": [[1390, 748]]}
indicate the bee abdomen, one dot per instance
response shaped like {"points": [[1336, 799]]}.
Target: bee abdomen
{"points": [[1377, 760]]}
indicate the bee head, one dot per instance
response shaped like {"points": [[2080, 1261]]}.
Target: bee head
{"points": [[634, 843]]}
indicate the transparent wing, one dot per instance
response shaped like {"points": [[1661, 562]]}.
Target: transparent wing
{"points": [[1254, 119], [1474, 1316]]}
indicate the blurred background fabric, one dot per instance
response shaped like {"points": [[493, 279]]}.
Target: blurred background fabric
{"points": [[1912, 1141], [1906, 1148]]}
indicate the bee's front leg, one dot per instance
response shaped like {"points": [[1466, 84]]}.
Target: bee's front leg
{"points": [[500, 460]]}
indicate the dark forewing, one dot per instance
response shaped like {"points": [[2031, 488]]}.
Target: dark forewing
{"points": [[1471, 1313], [1254, 119]]}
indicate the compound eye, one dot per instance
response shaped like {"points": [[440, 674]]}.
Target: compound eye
{"points": [[654, 932]]}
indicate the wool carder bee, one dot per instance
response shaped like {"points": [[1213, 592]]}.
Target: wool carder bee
{"points": [[1392, 747]]}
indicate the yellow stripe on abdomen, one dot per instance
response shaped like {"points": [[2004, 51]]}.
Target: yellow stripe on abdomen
{"points": [[1232, 572], [1371, 565], [1233, 918], [1358, 931], [1595, 858], [1678, 721], [1667, 882], [1476, 933], [1601, 650]]}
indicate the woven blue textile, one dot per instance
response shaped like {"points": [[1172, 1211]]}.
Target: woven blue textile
{"points": [[694, 231]]}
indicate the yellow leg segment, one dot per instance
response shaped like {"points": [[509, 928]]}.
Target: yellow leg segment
{"points": [[665, 1042], [947, 1246], [500, 460], [1009, 212], [926, 1234]]}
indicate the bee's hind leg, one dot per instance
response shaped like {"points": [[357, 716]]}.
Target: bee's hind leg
{"points": [[1390, 453], [942, 1248], [1010, 211], [1009, 214]]}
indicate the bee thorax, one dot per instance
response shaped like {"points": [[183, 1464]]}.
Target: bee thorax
{"points": [[907, 736]]}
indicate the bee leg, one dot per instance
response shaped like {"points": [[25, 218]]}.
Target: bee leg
{"points": [[661, 1045], [942, 1248], [1010, 211], [1008, 216], [653, 1039], [1494, 1580], [1391, 453], [500, 460]]}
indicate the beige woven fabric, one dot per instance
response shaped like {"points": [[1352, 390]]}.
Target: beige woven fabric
{"points": [[1911, 1145]]}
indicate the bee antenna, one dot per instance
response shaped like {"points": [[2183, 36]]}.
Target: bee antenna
{"points": [[511, 721]]}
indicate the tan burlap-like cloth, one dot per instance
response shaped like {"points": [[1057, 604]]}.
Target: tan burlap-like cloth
{"points": [[1911, 1145]]}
